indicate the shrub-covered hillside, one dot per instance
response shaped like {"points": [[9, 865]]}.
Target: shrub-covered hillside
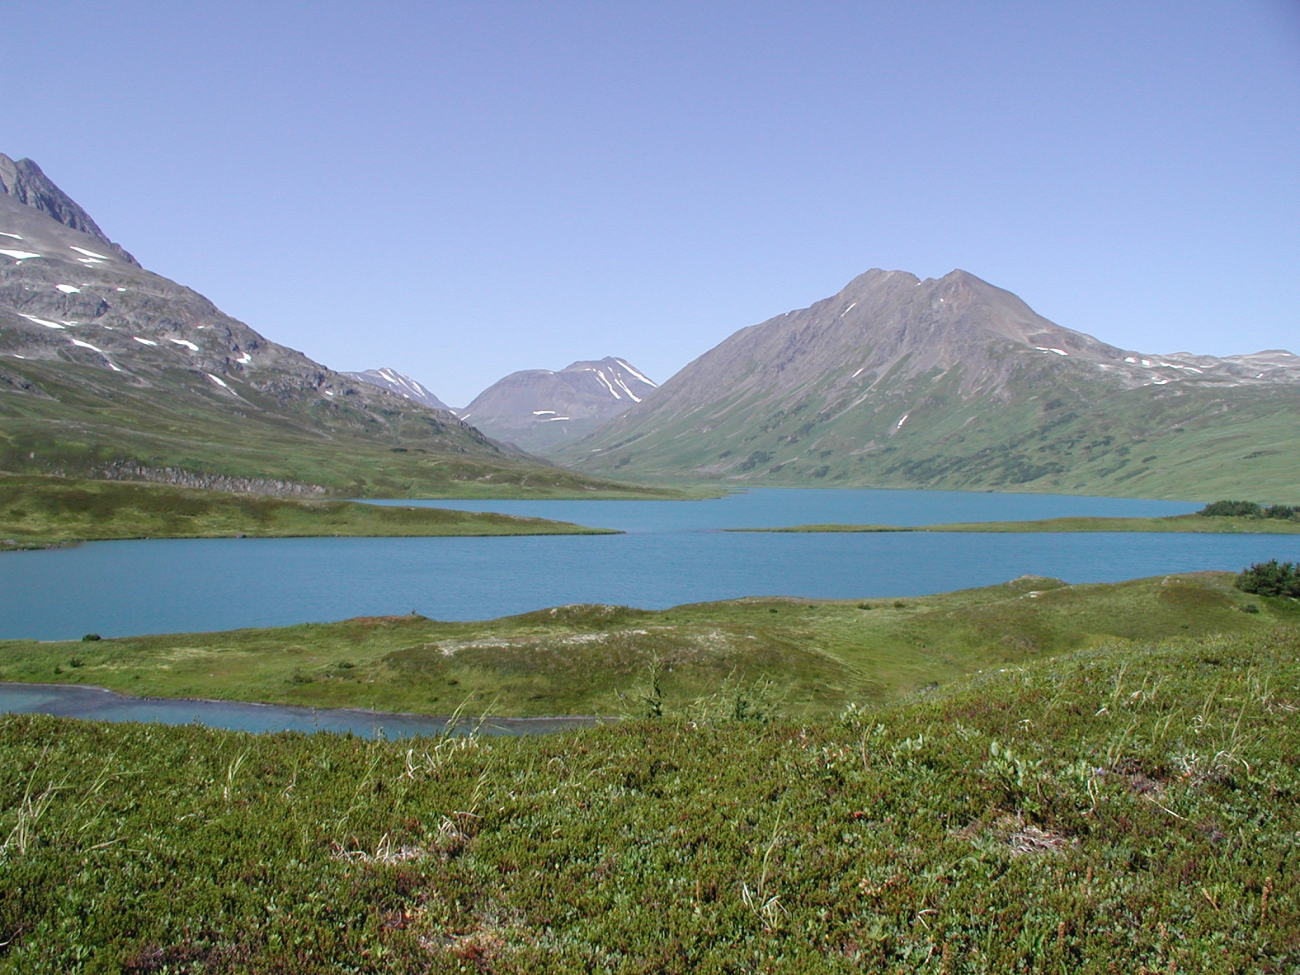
{"points": [[1118, 809]]}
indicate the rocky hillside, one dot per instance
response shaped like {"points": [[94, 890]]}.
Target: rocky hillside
{"points": [[109, 370], [955, 383], [537, 408]]}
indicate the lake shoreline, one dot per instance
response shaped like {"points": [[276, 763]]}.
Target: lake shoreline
{"points": [[669, 554], [1177, 524], [38, 512], [583, 661]]}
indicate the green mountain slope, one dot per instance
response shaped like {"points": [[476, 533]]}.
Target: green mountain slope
{"points": [[110, 371], [953, 383]]}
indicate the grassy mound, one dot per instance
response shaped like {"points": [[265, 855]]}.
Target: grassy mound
{"points": [[43, 510], [1128, 808], [799, 657]]}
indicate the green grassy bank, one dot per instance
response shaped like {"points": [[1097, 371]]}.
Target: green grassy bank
{"points": [[38, 510], [1126, 808], [795, 657], [1174, 523]]}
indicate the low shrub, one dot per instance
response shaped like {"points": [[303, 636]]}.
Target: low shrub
{"points": [[1271, 578], [1231, 509], [1247, 509]]}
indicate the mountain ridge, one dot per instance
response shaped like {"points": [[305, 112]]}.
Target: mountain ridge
{"points": [[110, 370], [952, 382]]}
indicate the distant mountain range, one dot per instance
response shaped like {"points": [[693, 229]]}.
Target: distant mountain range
{"points": [[536, 408], [402, 385], [955, 383], [109, 370]]}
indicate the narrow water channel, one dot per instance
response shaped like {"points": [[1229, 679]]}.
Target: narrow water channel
{"points": [[99, 704]]}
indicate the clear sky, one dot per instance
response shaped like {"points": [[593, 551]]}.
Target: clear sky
{"points": [[462, 189]]}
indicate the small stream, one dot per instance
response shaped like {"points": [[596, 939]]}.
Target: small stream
{"points": [[100, 704]]}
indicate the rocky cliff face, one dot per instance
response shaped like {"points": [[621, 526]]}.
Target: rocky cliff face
{"points": [[106, 367], [25, 182], [536, 408], [950, 382]]}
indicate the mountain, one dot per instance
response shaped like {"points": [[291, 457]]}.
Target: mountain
{"points": [[108, 370], [25, 182], [955, 383], [396, 382], [537, 408]]}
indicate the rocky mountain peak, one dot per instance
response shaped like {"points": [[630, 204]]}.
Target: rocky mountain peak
{"points": [[534, 408], [27, 183], [950, 381], [82, 324]]}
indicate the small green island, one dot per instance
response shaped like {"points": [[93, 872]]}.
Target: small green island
{"points": [[1241, 517], [38, 512]]}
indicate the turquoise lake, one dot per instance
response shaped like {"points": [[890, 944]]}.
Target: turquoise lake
{"points": [[672, 553]]}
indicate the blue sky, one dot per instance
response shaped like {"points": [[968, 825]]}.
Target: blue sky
{"points": [[462, 189]]}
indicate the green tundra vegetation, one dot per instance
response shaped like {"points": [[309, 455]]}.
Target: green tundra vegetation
{"points": [[36, 510], [1128, 807], [801, 658], [1220, 516]]}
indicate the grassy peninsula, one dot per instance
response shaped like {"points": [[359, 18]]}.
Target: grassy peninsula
{"points": [[776, 656], [1127, 807], [37, 511], [1173, 523]]}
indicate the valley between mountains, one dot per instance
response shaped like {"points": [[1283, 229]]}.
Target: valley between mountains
{"points": [[948, 383], [1039, 774], [110, 371]]}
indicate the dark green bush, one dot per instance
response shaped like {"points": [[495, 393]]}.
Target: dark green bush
{"points": [[1246, 509], [91, 638], [1271, 578], [1231, 509]]}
